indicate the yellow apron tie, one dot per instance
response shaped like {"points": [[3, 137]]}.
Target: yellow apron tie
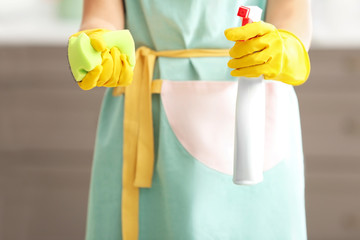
{"points": [[138, 137]]}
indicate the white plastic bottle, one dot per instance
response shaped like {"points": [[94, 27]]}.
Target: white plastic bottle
{"points": [[249, 123]]}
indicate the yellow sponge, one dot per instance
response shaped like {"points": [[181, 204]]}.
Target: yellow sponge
{"points": [[83, 57]]}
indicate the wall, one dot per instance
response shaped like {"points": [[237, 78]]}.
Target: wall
{"points": [[48, 126]]}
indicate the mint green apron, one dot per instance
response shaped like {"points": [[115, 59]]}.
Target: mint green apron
{"points": [[192, 198]]}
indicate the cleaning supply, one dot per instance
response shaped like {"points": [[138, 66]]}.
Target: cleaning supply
{"points": [[260, 52], [249, 119], [261, 49], [100, 57]]}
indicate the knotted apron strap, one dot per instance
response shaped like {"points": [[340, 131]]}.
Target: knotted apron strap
{"points": [[138, 137]]}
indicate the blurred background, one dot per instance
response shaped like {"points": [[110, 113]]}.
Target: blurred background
{"points": [[47, 124]]}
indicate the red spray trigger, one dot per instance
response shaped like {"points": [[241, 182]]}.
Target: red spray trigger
{"points": [[246, 21], [249, 14], [243, 12]]}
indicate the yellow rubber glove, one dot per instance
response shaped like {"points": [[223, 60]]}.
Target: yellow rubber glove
{"points": [[261, 49], [114, 70], [96, 38]]}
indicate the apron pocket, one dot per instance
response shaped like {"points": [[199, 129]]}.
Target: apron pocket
{"points": [[202, 116]]}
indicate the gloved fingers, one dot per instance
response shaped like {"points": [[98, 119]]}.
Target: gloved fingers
{"points": [[127, 72], [91, 78], [248, 31], [115, 54], [96, 39], [87, 32], [252, 71], [120, 69], [256, 58], [108, 66], [243, 48]]}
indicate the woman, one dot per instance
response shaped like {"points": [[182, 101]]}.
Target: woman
{"points": [[163, 154]]}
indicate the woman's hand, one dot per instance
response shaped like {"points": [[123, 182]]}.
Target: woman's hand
{"points": [[108, 62], [261, 49]]}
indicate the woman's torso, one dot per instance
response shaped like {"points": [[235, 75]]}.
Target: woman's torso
{"points": [[185, 24]]}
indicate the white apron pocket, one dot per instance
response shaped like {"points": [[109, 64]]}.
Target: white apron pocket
{"points": [[202, 116]]}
